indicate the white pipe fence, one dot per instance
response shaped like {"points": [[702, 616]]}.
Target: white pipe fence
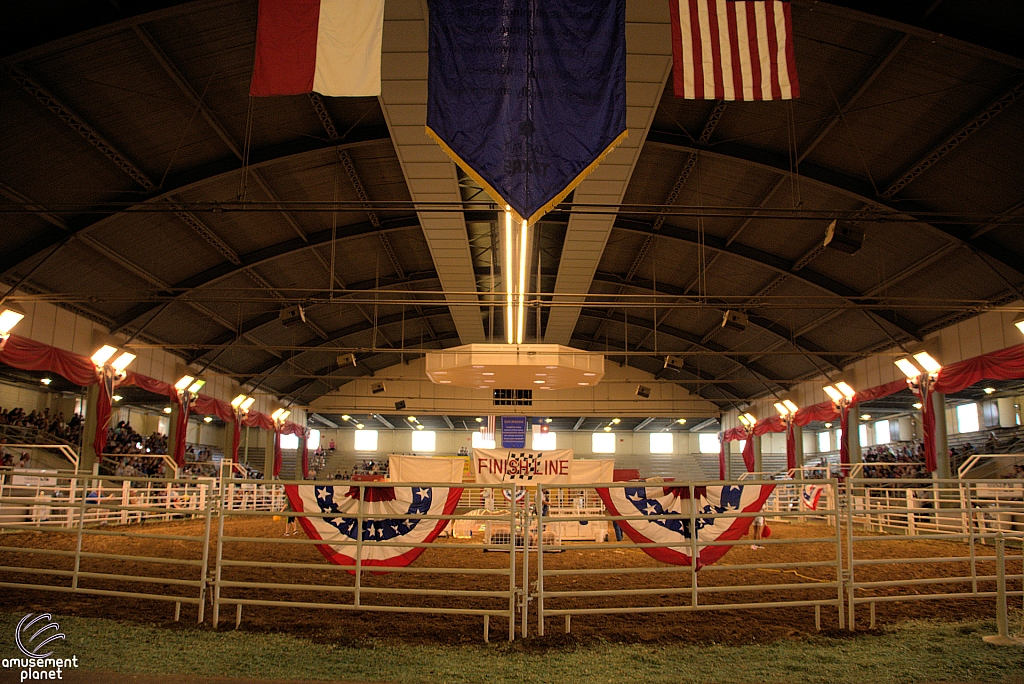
{"points": [[833, 570]]}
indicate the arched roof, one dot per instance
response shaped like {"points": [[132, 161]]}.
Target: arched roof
{"points": [[142, 187]]}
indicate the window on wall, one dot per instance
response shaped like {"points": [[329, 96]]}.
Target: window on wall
{"points": [[543, 441], [313, 442], [824, 442], [864, 435], [708, 443], [603, 443], [882, 434], [661, 443], [967, 418], [365, 440], [424, 440], [289, 441], [480, 443]]}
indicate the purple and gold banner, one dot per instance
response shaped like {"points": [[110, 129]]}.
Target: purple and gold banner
{"points": [[527, 96]]}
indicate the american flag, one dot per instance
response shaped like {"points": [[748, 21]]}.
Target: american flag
{"points": [[487, 428], [811, 494], [733, 50]]}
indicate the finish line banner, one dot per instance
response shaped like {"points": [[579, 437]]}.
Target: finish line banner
{"points": [[503, 466]]}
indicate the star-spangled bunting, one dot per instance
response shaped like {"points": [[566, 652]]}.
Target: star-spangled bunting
{"points": [[389, 516], [660, 500]]}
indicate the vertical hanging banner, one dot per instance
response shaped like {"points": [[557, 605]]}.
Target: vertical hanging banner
{"points": [[527, 96], [733, 50], [513, 432], [331, 47]]}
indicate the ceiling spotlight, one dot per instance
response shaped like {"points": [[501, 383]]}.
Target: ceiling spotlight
{"points": [[167, 409], [918, 405], [828, 425], [8, 319], [420, 426], [46, 381], [346, 417], [865, 416], [117, 397], [411, 419], [539, 382], [908, 368], [359, 426], [681, 421], [927, 362], [103, 355], [607, 428], [122, 361], [990, 390], [479, 420], [616, 421], [208, 419], [548, 420]]}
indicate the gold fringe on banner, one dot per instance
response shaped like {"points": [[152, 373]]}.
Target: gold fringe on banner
{"points": [[502, 202]]}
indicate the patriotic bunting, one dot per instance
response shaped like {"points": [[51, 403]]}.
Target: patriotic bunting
{"points": [[386, 511], [658, 500]]}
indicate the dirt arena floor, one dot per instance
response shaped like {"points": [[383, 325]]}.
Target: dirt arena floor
{"points": [[351, 627]]}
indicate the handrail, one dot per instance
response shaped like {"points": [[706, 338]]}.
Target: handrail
{"points": [[63, 449]]}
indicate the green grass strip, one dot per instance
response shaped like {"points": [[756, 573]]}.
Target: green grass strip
{"points": [[911, 652]]}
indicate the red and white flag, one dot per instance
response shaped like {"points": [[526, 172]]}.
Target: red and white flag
{"points": [[331, 47], [733, 50]]}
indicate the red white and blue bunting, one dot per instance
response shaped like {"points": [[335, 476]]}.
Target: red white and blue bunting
{"points": [[649, 499], [386, 520]]}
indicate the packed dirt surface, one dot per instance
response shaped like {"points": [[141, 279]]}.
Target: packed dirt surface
{"points": [[738, 578]]}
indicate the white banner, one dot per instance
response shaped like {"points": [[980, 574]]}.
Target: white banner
{"points": [[519, 466]]}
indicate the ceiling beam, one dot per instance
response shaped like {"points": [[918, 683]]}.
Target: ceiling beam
{"points": [[836, 181], [965, 130], [779, 265], [293, 151], [256, 258]]}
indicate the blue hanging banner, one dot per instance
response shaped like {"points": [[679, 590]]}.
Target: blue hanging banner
{"points": [[513, 432], [527, 96]]}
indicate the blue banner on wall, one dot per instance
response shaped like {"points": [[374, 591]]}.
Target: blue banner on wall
{"points": [[527, 96], [513, 432]]}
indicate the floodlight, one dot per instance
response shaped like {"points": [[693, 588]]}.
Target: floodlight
{"points": [[781, 408], [927, 362], [247, 403], [750, 418], [845, 389], [908, 368], [103, 355], [1020, 324], [8, 319], [185, 381], [280, 414], [122, 361], [237, 401], [835, 395], [793, 408], [196, 386]]}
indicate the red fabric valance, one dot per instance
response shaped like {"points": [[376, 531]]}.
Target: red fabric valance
{"points": [[258, 420], [1005, 364], [26, 354], [208, 406]]}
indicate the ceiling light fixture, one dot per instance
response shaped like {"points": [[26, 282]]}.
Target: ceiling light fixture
{"points": [[46, 381], [990, 390], [117, 397], [927, 362], [908, 368], [208, 419]]}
